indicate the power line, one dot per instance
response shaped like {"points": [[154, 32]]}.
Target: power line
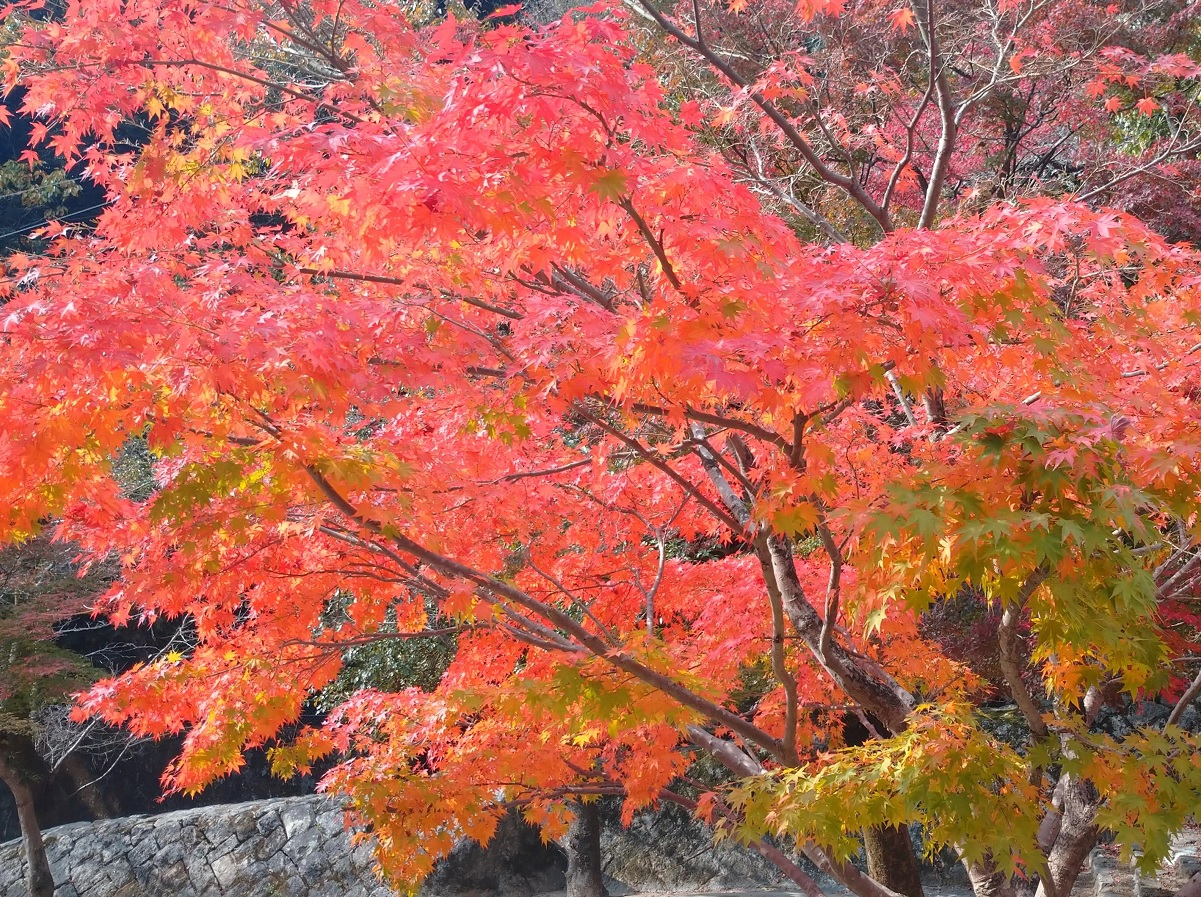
{"points": [[25, 230]]}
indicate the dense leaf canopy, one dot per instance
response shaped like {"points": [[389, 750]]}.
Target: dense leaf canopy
{"points": [[640, 371]]}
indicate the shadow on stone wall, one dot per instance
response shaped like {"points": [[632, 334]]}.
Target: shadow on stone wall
{"points": [[298, 847]]}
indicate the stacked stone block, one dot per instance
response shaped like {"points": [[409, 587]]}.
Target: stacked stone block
{"points": [[292, 847]]}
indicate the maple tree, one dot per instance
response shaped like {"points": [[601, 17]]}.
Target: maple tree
{"points": [[675, 362]]}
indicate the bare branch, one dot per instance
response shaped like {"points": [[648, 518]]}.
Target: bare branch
{"points": [[719, 420], [906, 408], [655, 243], [848, 184], [1010, 662], [653, 458], [381, 279], [1190, 695]]}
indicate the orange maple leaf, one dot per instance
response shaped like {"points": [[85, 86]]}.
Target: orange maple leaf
{"points": [[902, 19]]}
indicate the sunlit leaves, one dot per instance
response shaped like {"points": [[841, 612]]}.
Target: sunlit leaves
{"points": [[1031, 492], [944, 773], [467, 335]]}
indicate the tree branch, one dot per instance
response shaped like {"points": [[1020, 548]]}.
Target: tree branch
{"points": [[649, 456], [613, 655], [1009, 661], [1190, 695], [946, 110], [848, 184], [655, 243], [719, 420], [396, 281]]}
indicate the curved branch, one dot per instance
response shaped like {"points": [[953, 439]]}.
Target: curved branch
{"points": [[655, 243], [719, 420], [946, 110], [1011, 667], [666, 468], [262, 82], [613, 655], [1190, 695], [396, 281], [864, 682], [778, 660], [848, 184]]}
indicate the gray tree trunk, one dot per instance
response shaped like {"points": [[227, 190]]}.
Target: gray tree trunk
{"points": [[98, 803], [15, 753], [584, 877], [1192, 888]]}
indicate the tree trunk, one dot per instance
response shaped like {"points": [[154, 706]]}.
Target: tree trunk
{"points": [[1192, 888], [87, 789], [16, 754], [891, 861], [1076, 837], [584, 855], [890, 857]]}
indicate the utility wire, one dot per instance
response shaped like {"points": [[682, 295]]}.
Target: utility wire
{"points": [[25, 230]]}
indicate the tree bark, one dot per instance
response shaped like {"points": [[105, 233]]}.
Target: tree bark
{"points": [[584, 877], [987, 881], [88, 790], [1192, 888], [16, 754], [1076, 837], [890, 859]]}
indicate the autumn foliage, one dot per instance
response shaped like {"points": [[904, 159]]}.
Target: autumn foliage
{"points": [[678, 362]]}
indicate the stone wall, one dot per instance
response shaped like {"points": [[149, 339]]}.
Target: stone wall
{"points": [[298, 847], [290, 847], [669, 851]]}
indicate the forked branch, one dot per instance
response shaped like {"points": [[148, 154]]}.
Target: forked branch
{"points": [[697, 44]]}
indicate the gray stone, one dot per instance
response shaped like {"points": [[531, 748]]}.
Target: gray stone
{"points": [[198, 867], [267, 849], [59, 867], [92, 879], [169, 854], [191, 837], [173, 878], [226, 870], [671, 851], [141, 849], [304, 843], [121, 875], [332, 823], [244, 826], [296, 818], [268, 819], [282, 864], [224, 848], [1187, 862], [1151, 713], [214, 830], [268, 843]]}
